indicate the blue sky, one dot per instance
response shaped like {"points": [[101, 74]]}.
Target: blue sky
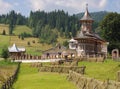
{"points": [[71, 6]]}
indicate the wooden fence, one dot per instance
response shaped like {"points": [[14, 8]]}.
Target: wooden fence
{"points": [[8, 84], [83, 82]]}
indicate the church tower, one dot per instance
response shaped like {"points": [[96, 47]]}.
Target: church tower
{"points": [[87, 43], [86, 22]]}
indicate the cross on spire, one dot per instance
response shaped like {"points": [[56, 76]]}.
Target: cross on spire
{"points": [[86, 5]]}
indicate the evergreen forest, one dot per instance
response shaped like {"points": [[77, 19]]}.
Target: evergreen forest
{"points": [[48, 26]]}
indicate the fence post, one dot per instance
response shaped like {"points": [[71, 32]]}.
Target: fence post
{"points": [[118, 76]]}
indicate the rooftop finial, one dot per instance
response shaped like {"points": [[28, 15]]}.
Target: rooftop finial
{"points": [[86, 5]]}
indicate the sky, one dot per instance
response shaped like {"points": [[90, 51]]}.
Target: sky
{"points": [[71, 6]]}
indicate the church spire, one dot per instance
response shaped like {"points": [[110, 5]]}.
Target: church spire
{"points": [[86, 7], [86, 15], [86, 22]]}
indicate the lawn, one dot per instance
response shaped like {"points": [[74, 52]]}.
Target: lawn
{"points": [[30, 78], [102, 71]]}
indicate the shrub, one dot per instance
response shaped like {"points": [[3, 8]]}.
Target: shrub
{"points": [[33, 41], [4, 33], [28, 43], [5, 53]]}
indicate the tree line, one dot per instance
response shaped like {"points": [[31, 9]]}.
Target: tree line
{"points": [[65, 24], [48, 26], [13, 19], [44, 24]]}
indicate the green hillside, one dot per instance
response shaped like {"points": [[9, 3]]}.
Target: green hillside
{"points": [[21, 29], [35, 47]]}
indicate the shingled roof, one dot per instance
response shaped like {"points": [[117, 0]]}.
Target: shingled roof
{"points": [[86, 15]]}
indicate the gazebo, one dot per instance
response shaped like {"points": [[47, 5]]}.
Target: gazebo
{"points": [[15, 51]]}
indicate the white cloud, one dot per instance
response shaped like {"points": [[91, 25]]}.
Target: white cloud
{"points": [[16, 4], [103, 3], [4, 7], [37, 4], [68, 5]]}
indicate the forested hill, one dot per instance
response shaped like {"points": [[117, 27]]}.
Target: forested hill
{"points": [[49, 25], [97, 16]]}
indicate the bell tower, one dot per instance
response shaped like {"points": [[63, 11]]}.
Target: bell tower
{"points": [[86, 22]]}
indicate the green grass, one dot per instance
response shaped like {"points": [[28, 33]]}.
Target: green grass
{"points": [[30, 78], [102, 71], [21, 29]]}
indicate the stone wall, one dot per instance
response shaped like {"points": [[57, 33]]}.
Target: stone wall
{"points": [[90, 83], [62, 69]]}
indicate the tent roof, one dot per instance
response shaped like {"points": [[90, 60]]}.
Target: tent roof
{"points": [[14, 48]]}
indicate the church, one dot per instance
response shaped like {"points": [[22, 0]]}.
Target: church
{"points": [[88, 43]]}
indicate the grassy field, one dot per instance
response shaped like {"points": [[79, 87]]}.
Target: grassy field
{"points": [[21, 29], [102, 71], [4, 27], [6, 70], [30, 78]]}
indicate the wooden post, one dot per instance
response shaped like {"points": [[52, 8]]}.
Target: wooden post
{"points": [[118, 76]]}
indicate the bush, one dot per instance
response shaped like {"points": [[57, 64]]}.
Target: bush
{"points": [[24, 34], [5, 53], [22, 37], [65, 43], [28, 43], [4, 33], [33, 41]]}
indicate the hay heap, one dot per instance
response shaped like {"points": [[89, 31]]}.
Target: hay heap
{"points": [[90, 83], [62, 69]]}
